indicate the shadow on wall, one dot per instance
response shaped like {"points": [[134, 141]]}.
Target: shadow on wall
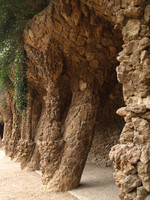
{"points": [[108, 126]]}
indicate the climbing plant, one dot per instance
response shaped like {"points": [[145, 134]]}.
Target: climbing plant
{"points": [[13, 16]]}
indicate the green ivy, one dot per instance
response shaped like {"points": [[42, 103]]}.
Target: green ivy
{"points": [[13, 16], [20, 82]]}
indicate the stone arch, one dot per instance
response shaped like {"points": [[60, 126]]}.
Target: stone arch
{"points": [[70, 41], [81, 48]]}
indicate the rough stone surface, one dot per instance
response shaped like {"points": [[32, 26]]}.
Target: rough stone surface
{"points": [[72, 48], [131, 182], [131, 156]]}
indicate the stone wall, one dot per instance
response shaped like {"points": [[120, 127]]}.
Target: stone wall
{"points": [[71, 50], [131, 157]]}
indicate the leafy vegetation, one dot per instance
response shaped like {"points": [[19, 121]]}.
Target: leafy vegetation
{"points": [[13, 16]]}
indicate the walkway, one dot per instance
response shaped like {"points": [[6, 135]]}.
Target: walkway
{"points": [[96, 184]]}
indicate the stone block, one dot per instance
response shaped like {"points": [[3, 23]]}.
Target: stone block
{"points": [[132, 28], [147, 14], [131, 182]]}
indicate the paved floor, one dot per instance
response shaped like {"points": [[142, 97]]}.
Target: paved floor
{"points": [[96, 184]]}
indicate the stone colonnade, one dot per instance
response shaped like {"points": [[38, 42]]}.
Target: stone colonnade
{"points": [[71, 49]]}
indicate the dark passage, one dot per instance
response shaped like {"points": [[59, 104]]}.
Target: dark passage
{"points": [[1, 130]]}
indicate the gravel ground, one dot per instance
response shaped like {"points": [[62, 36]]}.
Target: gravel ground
{"points": [[15, 184]]}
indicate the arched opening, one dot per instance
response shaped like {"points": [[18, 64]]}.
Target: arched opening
{"points": [[78, 39], [108, 125]]}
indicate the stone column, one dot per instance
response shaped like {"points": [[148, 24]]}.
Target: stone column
{"points": [[78, 134], [26, 144], [131, 157], [11, 126], [52, 143], [7, 115], [15, 132]]}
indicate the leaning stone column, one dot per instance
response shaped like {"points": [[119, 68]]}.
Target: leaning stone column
{"points": [[51, 146], [8, 119], [131, 158], [26, 144], [11, 125], [15, 133], [78, 134]]}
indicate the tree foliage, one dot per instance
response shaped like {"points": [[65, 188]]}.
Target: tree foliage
{"points": [[13, 16]]}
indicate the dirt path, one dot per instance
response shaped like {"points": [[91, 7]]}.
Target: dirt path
{"points": [[96, 184], [20, 185]]}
